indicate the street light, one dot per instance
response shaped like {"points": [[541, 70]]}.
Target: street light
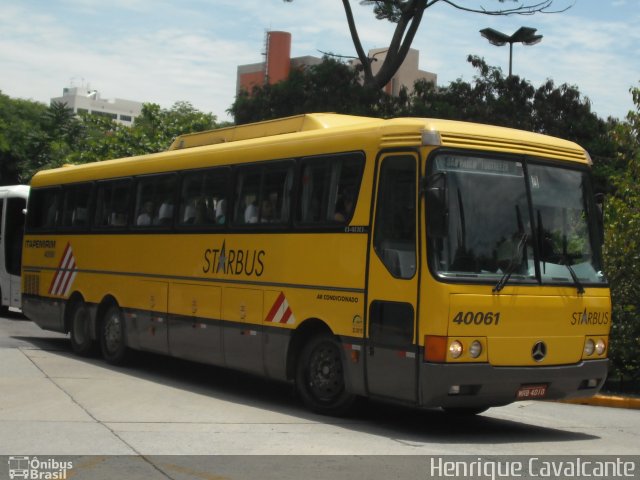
{"points": [[524, 35]]}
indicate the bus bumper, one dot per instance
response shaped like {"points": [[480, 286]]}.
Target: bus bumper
{"points": [[47, 313], [483, 385]]}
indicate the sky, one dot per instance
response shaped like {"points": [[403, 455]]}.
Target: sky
{"points": [[164, 51]]}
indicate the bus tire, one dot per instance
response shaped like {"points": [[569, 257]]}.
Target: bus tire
{"points": [[320, 377], [113, 337], [80, 330]]}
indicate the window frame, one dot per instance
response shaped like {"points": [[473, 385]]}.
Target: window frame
{"points": [[227, 170], [34, 195], [327, 224], [290, 166], [66, 189], [136, 212], [97, 188]]}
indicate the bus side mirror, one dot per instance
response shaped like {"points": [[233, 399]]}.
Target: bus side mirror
{"points": [[435, 187]]}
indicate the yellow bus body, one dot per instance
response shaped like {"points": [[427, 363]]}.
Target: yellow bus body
{"points": [[251, 299]]}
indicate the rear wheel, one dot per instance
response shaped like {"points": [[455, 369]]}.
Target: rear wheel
{"points": [[81, 340], [320, 377], [113, 337]]}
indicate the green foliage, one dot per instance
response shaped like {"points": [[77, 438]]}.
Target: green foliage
{"points": [[622, 246], [34, 137], [21, 127], [331, 86], [491, 98]]}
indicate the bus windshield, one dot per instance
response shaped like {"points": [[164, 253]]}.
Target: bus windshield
{"points": [[517, 221]]}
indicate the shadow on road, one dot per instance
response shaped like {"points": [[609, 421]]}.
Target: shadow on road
{"points": [[402, 424]]}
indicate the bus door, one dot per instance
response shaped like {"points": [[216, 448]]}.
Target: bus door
{"points": [[391, 351], [5, 289], [11, 235]]}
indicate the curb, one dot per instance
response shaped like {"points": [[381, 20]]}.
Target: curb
{"points": [[607, 401]]}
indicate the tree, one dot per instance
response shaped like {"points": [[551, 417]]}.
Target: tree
{"points": [[407, 15], [331, 86], [54, 135], [622, 247], [20, 122], [152, 131], [491, 98]]}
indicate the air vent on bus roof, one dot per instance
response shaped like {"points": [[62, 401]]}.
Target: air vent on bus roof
{"points": [[298, 123], [459, 140]]}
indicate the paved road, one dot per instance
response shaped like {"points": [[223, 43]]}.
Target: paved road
{"points": [[56, 403]]}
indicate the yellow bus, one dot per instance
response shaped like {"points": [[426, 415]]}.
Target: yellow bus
{"points": [[426, 262]]}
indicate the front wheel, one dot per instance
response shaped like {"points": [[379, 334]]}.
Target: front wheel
{"points": [[113, 337], [320, 377]]}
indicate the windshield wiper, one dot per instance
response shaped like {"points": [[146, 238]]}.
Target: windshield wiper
{"points": [[513, 264], [575, 278]]}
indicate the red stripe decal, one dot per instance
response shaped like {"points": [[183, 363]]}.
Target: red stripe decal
{"points": [[276, 306], [286, 316]]}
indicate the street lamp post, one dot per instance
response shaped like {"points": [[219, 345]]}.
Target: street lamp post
{"points": [[524, 35]]}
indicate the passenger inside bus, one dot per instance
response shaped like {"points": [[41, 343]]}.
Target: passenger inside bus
{"points": [[221, 211], [344, 207], [266, 211], [145, 216], [165, 214], [251, 213]]}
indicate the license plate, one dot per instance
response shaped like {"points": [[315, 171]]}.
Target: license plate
{"points": [[531, 392]]}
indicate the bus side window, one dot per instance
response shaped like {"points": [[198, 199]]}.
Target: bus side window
{"points": [[275, 202], [394, 235], [43, 209], [112, 204], [155, 201], [263, 194], [203, 198], [329, 188], [75, 205], [247, 195]]}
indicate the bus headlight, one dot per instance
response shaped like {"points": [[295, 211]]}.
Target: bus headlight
{"points": [[475, 349], [455, 349], [589, 347], [601, 346]]}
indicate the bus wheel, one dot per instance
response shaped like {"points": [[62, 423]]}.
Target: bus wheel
{"points": [[81, 340], [112, 337], [320, 377]]}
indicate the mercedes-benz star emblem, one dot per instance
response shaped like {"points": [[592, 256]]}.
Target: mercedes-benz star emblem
{"points": [[539, 351]]}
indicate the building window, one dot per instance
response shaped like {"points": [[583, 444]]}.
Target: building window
{"points": [[112, 116]]}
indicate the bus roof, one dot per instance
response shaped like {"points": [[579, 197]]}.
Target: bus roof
{"points": [[391, 133], [15, 190]]}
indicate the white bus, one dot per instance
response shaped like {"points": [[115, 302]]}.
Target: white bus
{"points": [[13, 203]]}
